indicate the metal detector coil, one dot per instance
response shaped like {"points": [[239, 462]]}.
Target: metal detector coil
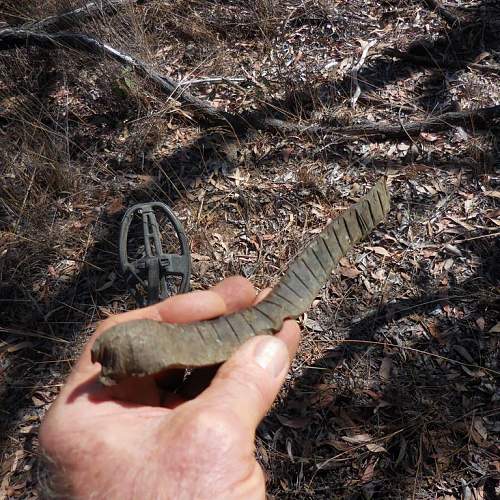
{"points": [[154, 265]]}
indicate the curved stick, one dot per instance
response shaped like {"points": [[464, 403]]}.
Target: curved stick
{"points": [[146, 347], [11, 38]]}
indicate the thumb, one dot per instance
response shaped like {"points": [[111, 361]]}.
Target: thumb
{"points": [[248, 383]]}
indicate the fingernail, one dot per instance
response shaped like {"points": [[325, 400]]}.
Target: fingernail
{"points": [[271, 354]]}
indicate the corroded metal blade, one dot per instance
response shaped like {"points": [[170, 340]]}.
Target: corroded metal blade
{"points": [[145, 347]]}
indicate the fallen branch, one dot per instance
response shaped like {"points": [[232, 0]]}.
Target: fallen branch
{"points": [[450, 19], [76, 16], [20, 38], [476, 119], [441, 64]]}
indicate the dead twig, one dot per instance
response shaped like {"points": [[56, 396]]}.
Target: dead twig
{"points": [[213, 80], [36, 335], [15, 38]]}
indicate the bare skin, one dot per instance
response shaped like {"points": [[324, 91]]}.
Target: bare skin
{"points": [[135, 440]]}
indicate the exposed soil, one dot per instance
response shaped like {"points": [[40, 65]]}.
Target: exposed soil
{"points": [[394, 393]]}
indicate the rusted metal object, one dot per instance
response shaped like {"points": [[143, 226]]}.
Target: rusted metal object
{"points": [[146, 347]]}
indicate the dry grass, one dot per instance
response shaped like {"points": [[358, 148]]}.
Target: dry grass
{"points": [[394, 393]]}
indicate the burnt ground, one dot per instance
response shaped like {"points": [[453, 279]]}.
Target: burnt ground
{"points": [[394, 393]]}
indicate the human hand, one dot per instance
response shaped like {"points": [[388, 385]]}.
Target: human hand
{"points": [[136, 440]]}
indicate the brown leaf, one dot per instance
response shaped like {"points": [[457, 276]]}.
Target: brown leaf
{"points": [[28, 429], [37, 401], [19, 346], [426, 136], [480, 323], [200, 258], [476, 437], [429, 253], [453, 250], [357, 438], [285, 154], [433, 329], [448, 264], [379, 274], [146, 179], [480, 428], [461, 223], [373, 394], [368, 472], [379, 251], [464, 353], [376, 448], [338, 445], [349, 272], [293, 423]]}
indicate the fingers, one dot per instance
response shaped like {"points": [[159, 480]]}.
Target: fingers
{"points": [[200, 378], [225, 297], [248, 383], [237, 293], [234, 293]]}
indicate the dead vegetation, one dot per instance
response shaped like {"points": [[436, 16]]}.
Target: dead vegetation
{"points": [[395, 391]]}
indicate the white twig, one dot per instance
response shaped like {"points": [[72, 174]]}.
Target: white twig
{"points": [[213, 79], [355, 70]]}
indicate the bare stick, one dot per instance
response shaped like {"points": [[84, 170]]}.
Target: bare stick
{"points": [[355, 70], [476, 119], [13, 38], [212, 80]]}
